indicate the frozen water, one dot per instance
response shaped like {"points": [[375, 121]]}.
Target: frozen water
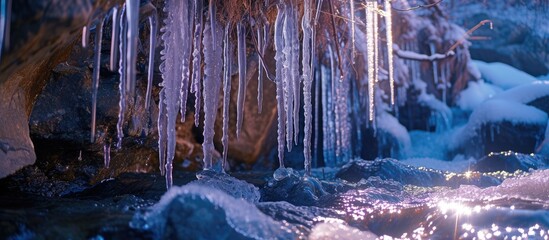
{"points": [[236, 188]]}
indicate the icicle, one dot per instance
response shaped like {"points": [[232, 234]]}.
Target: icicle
{"points": [[114, 38], [162, 132], [307, 84], [376, 43], [226, 94], [197, 60], [212, 11], [296, 79], [95, 76], [153, 22], [122, 84], [370, 42], [287, 76], [106, 154], [435, 65], [389, 36], [86, 35], [132, 16], [317, 114], [5, 20], [184, 25], [241, 34], [261, 48], [172, 73], [212, 82], [353, 51], [279, 57]]}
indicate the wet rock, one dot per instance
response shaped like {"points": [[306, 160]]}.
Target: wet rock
{"points": [[510, 162], [387, 169], [293, 188], [504, 136], [390, 169]]}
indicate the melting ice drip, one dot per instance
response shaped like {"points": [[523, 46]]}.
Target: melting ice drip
{"points": [[190, 42]]}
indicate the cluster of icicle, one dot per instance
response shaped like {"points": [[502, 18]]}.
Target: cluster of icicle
{"points": [[191, 41], [124, 39]]}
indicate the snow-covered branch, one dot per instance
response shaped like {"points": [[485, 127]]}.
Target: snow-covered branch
{"points": [[420, 57]]}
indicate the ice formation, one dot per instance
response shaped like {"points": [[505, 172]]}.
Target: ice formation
{"points": [[197, 57]]}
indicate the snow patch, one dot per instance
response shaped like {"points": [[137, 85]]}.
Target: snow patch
{"points": [[475, 94], [526, 93], [503, 75]]}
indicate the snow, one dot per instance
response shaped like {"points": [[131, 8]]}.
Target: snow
{"points": [[475, 94], [526, 93], [390, 124], [503, 75], [337, 230]]}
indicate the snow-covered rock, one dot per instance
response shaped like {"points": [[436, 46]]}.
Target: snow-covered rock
{"points": [[500, 125], [503, 75]]}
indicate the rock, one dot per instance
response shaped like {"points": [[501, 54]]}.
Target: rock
{"points": [[207, 213], [522, 44], [386, 169], [510, 162], [297, 190], [500, 125]]}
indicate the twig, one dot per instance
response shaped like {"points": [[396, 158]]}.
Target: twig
{"points": [[469, 32]]}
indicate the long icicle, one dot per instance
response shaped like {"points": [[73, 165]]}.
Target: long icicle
{"points": [[353, 50], [185, 26], [370, 45], [287, 77], [132, 16], [296, 79], [260, 47], [171, 69], [197, 60], [153, 22], [279, 57], [226, 95], [212, 81], [114, 38], [5, 9], [95, 76], [307, 84], [389, 36], [241, 35], [122, 83]]}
